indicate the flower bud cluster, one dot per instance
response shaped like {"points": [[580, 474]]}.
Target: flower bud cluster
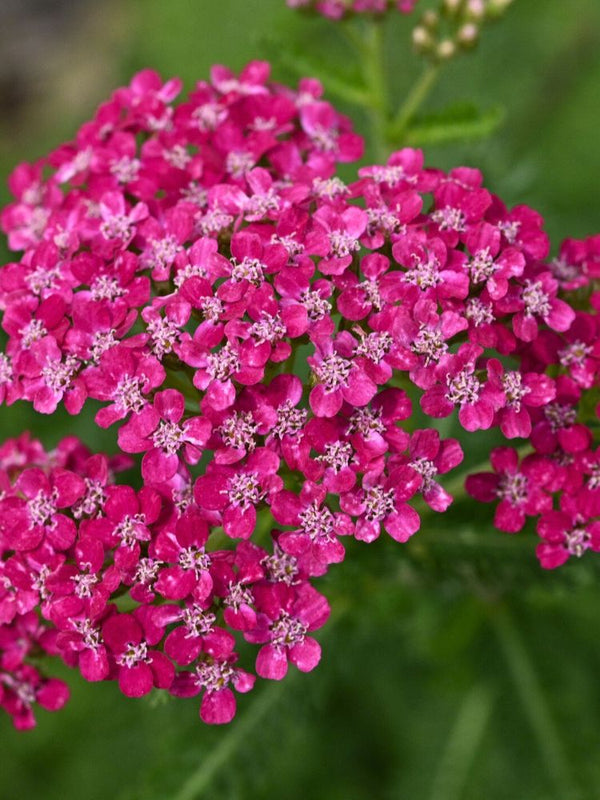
{"points": [[252, 324], [455, 26]]}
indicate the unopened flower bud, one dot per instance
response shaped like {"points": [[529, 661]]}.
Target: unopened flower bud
{"points": [[452, 6], [467, 35], [430, 20], [422, 40], [446, 49], [475, 9]]}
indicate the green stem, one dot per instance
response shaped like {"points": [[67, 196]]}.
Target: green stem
{"points": [[413, 102], [241, 728], [221, 755], [373, 65], [288, 365], [533, 702], [461, 746], [350, 33]]}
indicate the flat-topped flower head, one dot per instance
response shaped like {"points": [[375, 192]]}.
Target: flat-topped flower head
{"points": [[247, 319]]}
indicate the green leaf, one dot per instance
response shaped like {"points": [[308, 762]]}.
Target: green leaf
{"points": [[344, 81], [458, 122]]}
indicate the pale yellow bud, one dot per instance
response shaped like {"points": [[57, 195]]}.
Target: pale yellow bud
{"points": [[430, 19], [452, 6], [421, 39], [475, 9], [445, 49], [467, 35]]}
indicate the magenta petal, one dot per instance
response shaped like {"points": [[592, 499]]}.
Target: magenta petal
{"points": [[552, 526], [525, 327], [239, 523], [244, 619], [272, 663], [203, 586], [53, 695], [435, 403], [219, 643], [286, 507], [437, 498], [63, 534], [183, 649], [184, 684], [514, 424], [483, 486], [209, 494], [294, 543], [542, 389], [70, 488], [367, 531], [504, 459], [551, 556], [170, 404], [243, 681], [306, 654], [323, 403], [402, 524], [360, 390], [218, 708], [425, 443], [575, 439], [197, 431], [133, 436], [509, 518], [353, 303], [24, 538], [120, 630], [220, 395], [158, 467], [449, 456], [561, 315], [332, 552], [476, 416], [136, 681], [93, 664], [163, 670], [175, 583], [340, 482], [33, 481], [108, 415], [45, 401]]}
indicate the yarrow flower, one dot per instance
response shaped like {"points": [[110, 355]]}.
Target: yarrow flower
{"points": [[337, 9], [245, 320]]}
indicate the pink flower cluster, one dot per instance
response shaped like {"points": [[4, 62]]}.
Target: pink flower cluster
{"points": [[75, 546], [337, 9], [259, 330]]}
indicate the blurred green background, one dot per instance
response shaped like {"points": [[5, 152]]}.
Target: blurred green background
{"points": [[454, 668]]}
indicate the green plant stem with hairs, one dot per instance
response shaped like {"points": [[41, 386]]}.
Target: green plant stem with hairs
{"points": [[399, 127]]}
